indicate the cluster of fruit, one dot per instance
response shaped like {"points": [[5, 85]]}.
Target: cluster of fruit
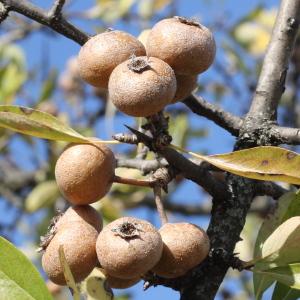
{"points": [[143, 79], [127, 248]]}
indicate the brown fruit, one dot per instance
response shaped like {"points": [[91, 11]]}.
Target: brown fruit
{"points": [[185, 246], [185, 85], [142, 86], [119, 283], [103, 52], [84, 214], [188, 47], [78, 242], [128, 247], [84, 172]]}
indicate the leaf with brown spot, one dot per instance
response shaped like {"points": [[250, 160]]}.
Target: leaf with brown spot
{"points": [[37, 123], [262, 163]]}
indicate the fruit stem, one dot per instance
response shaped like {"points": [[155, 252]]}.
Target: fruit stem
{"points": [[159, 205], [131, 181], [98, 141]]}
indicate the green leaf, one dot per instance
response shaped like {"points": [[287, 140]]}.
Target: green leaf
{"points": [[19, 279], [284, 292], [261, 163], [48, 87], [68, 274], [261, 283], [11, 80], [282, 246], [37, 123], [288, 275], [288, 206], [178, 129], [12, 72], [44, 194], [279, 250]]}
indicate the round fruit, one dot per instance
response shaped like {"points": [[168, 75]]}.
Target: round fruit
{"points": [[128, 247], [187, 46], [185, 246], [84, 214], [142, 86], [79, 247], [84, 172], [185, 85], [103, 52], [119, 283]]}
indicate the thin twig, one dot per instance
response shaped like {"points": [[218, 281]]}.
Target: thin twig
{"points": [[56, 10], [214, 113], [145, 166], [59, 25], [159, 205], [287, 135], [136, 182]]}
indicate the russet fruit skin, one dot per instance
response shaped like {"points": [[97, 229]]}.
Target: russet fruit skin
{"points": [[185, 85], [103, 52], [142, 91], [128, 247], [187, 47], [119, 283], [78, 242], [185, 246], [84, 214], [84, 172]]}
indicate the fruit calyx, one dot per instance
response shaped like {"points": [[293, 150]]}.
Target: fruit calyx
{"points": [[138, 64], [51, 231], [127, 230], [186, 21]]}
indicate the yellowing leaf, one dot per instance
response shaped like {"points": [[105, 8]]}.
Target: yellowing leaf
{"points": [[37, 123], [254, 32], [266, 17], [159, 4], [261, 163]]}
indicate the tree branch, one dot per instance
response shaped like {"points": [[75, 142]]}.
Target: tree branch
{"points": [[195, 210], [159, 205], [228, 218], [287, 135], [56, 10], [271, 83], [3, 13], [196, 173], [214, 113], [132, 181], [53, 19], [145, 166]]}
